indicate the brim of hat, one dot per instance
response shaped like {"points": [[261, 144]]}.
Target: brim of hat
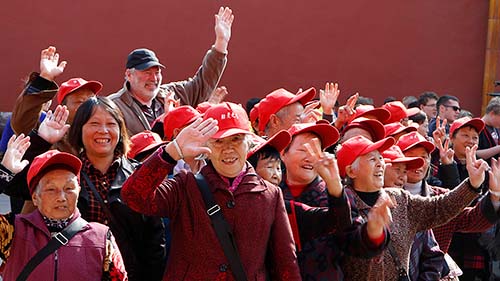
{"points": [[412, 111], [327, 133], [375, 127], [147, 65], [380, 145], [429, 146], [380, 114], [407, 129], [94, 86], [411, 162], [304, 97], [144, 149], [477, 123], [229, 132], [279, 141]]}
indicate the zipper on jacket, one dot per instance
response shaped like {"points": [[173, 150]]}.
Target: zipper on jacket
{"points": [[56, 264]]}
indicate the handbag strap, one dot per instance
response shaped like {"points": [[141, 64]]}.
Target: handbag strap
{"points": [[97, 195], [222, 229], [401, 270], [61, 238]]}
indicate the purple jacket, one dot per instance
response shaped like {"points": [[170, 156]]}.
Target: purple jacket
{"points": [[81, 259]]}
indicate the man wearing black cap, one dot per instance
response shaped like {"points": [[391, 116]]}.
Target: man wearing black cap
{"points": [[142, 97]]}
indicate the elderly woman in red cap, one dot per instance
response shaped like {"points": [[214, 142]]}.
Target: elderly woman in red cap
{"points": [[49, 243], [252, 210], [360, 160]]}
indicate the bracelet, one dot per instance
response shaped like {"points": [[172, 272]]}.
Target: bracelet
{"points": [[177, 147], [496, 193]]}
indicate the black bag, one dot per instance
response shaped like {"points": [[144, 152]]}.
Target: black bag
{"points": [[403, 275]]}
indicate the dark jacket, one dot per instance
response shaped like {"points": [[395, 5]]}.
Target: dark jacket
{"points": [[255, 211]]}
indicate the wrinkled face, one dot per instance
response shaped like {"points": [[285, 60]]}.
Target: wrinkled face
{"points": [[144, 84], [352, 132], [75, 99], [270, 170], [450, 110], [464, 137], [57, 194], [417, 175], [369, 174], [299, 169], [229, 154], [430, 108], [395, 175], [423, 129], [100, 134], [286, 117]]}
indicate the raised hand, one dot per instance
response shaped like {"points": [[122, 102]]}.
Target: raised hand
{"points": [[310, 113], [54, 127], [346, 111], [475, 167], [218, 95], [328, 97], [494, 178], [439, 134], [445, 152], [12, 159], [191, 139], [325, 165], [380, 216], [223, 22], [169, 103], [50, 67]]}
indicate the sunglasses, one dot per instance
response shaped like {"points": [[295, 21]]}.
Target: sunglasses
{"points": [[454, 107]]}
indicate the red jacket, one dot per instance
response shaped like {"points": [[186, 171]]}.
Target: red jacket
{"points": [[255, 211]]}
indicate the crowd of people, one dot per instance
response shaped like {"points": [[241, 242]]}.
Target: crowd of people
{"points": [[176, 182]]}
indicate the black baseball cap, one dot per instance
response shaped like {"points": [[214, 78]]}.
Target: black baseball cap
{"points": [[141, 59]]}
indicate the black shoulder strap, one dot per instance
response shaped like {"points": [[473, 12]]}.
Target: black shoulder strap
{"points": [[61, 238], [222, 229], [97, 196], [401, 270]]}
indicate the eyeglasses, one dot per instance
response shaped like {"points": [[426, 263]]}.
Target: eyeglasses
{"points": [[454, 107], [430, 105]]}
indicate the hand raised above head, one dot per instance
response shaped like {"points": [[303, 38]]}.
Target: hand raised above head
{"points": [[223, 22], [50, 67], [328, 97], [12, 159], [54, 127], [190, 141]]}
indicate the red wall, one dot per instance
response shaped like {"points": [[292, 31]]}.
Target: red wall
{"points": [[378, 48]]}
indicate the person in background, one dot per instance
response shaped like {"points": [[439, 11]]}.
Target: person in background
{"points": [[428, 104], [54, 183], [489, 144], [448, 108], [142, 97]]}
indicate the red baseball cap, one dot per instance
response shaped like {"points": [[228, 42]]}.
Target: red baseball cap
{"points": [[395, 128], [74, 84], [373, 126], [410, 140], [399, 111], [202, 107], [232, 119], [52, 160], [357, 146], [142, 142], [394, 155], [365, 110], [476, 123], [254, 113], [279, 141], [178, 117], [278, 99], [327, 134]]}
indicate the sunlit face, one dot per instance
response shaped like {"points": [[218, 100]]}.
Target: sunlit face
{"points": [[430, 108], [229, 154], [463, 138], [395, 175], [417, 175], [356, 131], [450, 110], [100, 134], [299, 169], [75, 99], [369, 174], [269, 169], [285, 118], [57, 194], [144, 84]]}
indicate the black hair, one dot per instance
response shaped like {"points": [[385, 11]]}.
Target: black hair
{"points": [[264, 153]]}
